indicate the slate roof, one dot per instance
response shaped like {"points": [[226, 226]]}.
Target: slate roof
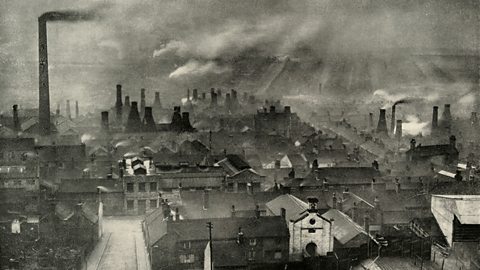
{"points": [[227, 228], [17, 144], [292, 205], [344, 228], [89, 185]]}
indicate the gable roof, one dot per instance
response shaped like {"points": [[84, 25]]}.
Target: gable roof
{"points": [[292, 205], [344, 228]]}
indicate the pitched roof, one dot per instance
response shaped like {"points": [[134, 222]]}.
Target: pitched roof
{"points": [[344, 228], [89, 185], [227, 228], [292, 205], [156, 226]]}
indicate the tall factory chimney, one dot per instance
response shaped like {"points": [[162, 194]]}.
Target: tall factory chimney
{"points": [[58, 109], [69, 113], [16, 121], [118, 104], [188, 94], [44, 92], [382, 123], [186, 126], [104, 123], [392, 121], [446, 117], [126, 107], [370, 121], [204, 95], [134, 124], [398, 130], [195, 94], [76, 109], [157, 103], [148, 122], [176, 123], [435, 118], [142, 101]]}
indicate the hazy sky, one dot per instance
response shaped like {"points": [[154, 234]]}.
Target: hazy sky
{"points": [[169, 45]]}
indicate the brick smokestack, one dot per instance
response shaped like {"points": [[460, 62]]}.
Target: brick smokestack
{"points": [[392, 121], [118, 104], [126, 107], [176, 124], [104, 121], [148, 122], [77, 112], [213, 97], [195, 94], [69, 113], [142, 101], [58, 109], [435, 118], [134, 123], [228, 101], [382, 123], [446, 117], [186, 126], [398, 130], [16, 121], [370, 121], [204, 96], [157, 103], [44, 92]]}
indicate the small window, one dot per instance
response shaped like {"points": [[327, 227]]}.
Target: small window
{"points": [[153, 186], [253, 242], [130, 205], [190, 258], [312, 221], [251, 255], [311, 230], [153, 204], [141, 187], [277, 255], [129, 187]]}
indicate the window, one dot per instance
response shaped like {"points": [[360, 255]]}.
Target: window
{"points": [[189, 258], [129, 187], [130, 205], [312, 221], [141, 187], [253, 242], [311, 230], [277, 255], [251, 255], [187, 245], [153, 204], [153, 186]]}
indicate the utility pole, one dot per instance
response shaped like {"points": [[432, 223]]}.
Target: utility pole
{"points": [[210, 227]]}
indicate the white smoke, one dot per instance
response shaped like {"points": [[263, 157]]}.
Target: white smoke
{"points": [[86, 137], [414, 126], [173, 46], [197, 68]]}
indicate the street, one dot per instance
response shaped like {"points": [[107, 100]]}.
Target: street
{"points": [[121, 247]]}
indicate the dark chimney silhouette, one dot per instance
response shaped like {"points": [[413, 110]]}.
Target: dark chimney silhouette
{"points": [[126, 106], [204, 96], [77, 112], [142, 101], [69, 113], [16, 121], [446, 117], [382, 123], [195, 94], [118, 104], [213, 97], [58, 109], [176, 124], [370, 121], [435, 118], [392, 121], [148, 121], [134, 123], [398, 130], [43, 84], [228, 101], [287, 109], [104, 122], [157, 103], [186, 126]]}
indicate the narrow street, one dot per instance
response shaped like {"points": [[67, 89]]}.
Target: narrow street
{"points": [[121, 247]]}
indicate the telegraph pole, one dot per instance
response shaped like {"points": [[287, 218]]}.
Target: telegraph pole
{"points": [[210, 227]]}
